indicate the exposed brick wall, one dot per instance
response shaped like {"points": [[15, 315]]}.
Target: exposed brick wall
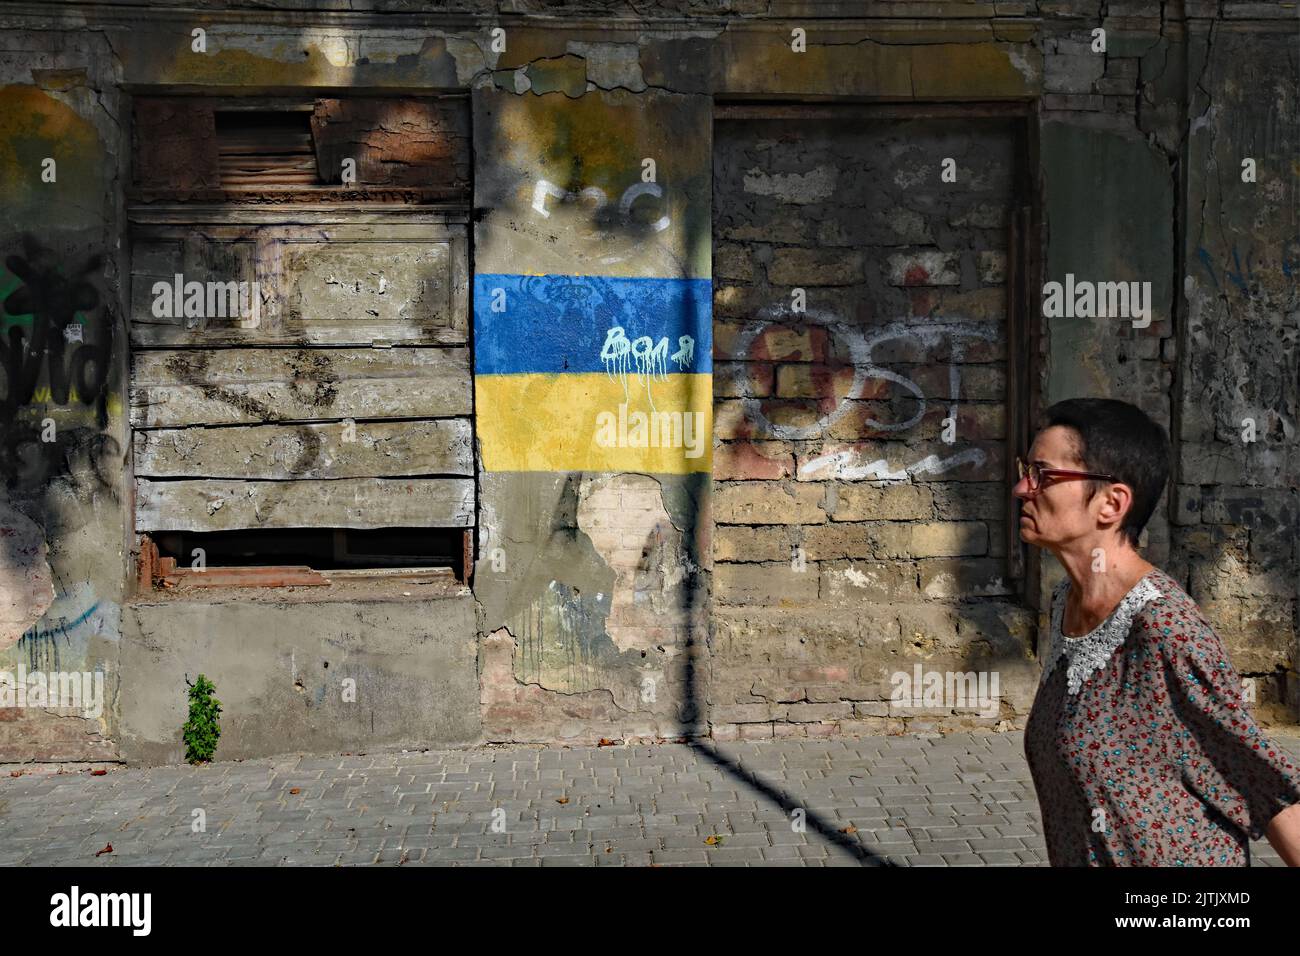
{"points": [[847, 528]]}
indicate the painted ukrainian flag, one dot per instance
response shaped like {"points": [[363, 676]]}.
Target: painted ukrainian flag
{"points": [[593, 373]]}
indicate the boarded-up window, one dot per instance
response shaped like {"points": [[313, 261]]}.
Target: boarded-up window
{"points": [[265, 148], [360, 149], [300, 378]]}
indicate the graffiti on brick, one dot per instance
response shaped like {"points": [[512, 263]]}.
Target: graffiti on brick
{"points": [[866, 379]]}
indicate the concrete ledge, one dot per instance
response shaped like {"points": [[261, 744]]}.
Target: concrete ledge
{"points": [[280, 672]]}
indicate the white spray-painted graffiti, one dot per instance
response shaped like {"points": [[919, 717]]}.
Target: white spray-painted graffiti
{"points": [[544, 190], [685, 353], [850, 464], [644, 357]]}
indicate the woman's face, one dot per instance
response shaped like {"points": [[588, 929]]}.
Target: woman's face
{"points": [[1058, 513]]}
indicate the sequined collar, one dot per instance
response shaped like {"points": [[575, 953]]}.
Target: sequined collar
{"points": [[1088, 653]]}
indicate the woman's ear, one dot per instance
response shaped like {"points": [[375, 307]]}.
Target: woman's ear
{"points": [[1115, 503]]}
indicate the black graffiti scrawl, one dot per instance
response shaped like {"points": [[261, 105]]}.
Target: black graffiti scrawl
{"points": [[54, 352]]}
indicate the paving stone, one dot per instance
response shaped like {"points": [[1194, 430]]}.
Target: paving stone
{"points": [[961, 800]]}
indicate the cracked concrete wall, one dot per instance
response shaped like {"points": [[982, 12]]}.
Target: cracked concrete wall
{"points": [[1237, 493], [386, 667], [1151, 135], [596, 561]]}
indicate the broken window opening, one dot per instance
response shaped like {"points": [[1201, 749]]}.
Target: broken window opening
{"points": [[302, 556], [259, 149]]}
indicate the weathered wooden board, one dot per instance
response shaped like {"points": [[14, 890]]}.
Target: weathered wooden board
{"points": [[175, 145], [360, 284], [333, 450], [222, 505], [285, 150], [361, 292], [228, 386], [405, 142]]}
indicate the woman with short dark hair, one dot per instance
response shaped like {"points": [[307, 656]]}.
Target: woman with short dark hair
{"points": [[1140, 747]]}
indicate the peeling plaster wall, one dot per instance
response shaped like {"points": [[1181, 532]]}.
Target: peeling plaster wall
{"points": [[63, 439], [595, 564], [558, 221], [589, 571], [1237, 503], [1150, 142]]}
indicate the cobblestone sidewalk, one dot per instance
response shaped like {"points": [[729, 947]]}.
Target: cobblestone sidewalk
{"points": [[964, 799]]}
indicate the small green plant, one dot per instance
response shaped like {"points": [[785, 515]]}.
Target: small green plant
{"points": [[202, 729]]}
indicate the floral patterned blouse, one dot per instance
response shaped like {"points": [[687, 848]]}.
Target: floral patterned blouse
{"points": [[1139, 746]]}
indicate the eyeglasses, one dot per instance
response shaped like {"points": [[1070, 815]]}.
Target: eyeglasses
{"points": [[1036, 474]]}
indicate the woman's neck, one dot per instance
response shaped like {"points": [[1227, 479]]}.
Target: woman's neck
{"points": [[1094, 594]]}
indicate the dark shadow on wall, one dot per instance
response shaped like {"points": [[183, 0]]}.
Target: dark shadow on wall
{"points": [[695, 699]]}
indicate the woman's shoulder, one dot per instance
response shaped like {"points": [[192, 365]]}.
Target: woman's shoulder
{"points": [[1168, 610], [1161, 593]]}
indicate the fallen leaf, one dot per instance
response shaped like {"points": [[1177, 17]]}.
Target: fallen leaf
{"points": [[295, 789], [15, 773], [107, 849], [606, 742], [849, 829], [714, 840], [98, 773], [562, 800]]}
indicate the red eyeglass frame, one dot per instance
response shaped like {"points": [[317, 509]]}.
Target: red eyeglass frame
{"points": [[1024, 469]]}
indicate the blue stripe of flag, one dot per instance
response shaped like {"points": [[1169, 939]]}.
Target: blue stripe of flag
{"points": [[558, 323]]}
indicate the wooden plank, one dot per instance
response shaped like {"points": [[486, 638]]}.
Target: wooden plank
{"points": [[227, 505], [175, 146], [979, 109], [467, 557], [360, 284], [398, 142], [229, 386], [146, 564], [362, 292], [277, 576], [388, 574], [302, 196], [272, 147], [326, 216], [333, 450], [409, 142]]}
